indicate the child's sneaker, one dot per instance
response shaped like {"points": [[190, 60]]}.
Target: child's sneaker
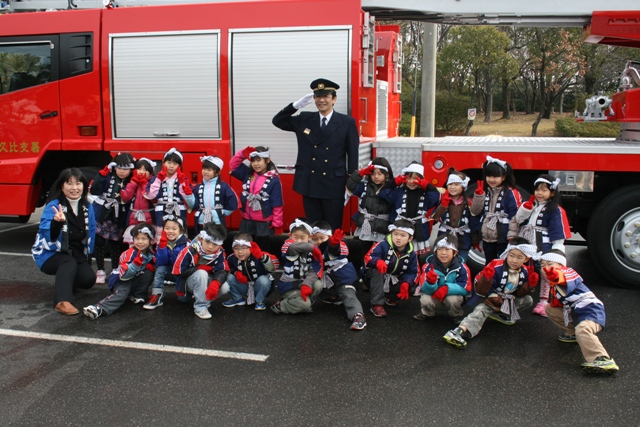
{"points": [[421, 316], [154, 301], [260, 306], [100, 277], [359, 322], [276, 308], [505, 319], [203, 314], [602, 365], [333, 300], [540, 309], [567, 338], [417, 292], [136, 300], [92, 311], [454, 337], [390, 302], [233, 302], [378, 311]]}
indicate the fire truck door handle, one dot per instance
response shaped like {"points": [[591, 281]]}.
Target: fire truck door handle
{"points": [[287, 167], [166, 134], [366, 110], [48, 114]]}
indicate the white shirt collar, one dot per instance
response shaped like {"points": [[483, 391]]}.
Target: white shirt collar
{"points": [[328, 116]]}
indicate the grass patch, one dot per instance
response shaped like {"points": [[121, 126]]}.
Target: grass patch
{"points": [[518, 125]]}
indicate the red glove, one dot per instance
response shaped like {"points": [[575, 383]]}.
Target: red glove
{"points": [[206, 268], [164, 241], [277, 231], [423, 183], [480, 189], [404, 291], [446, 199], [529, 205], [135, 176], [186, 187], [256, 251], [162, 174], [432, 277], [247, 151], [477, 247], [382, 266], [241, 277], [180, 294], [336, 237], [440, 293], [182, 178], [305, 291], [212, 290], [366, 171], [555, 276], [488, 272], [138, 259], [533, 276], [317, 255], [105, 171], [400, 179], [150, 267]]}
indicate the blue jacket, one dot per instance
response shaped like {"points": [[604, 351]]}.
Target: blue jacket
{"points": [[456, 277], [569, 293], [100, 187], [403, 264], [394, 195], [187, 263], [336, 265], [127, 269], [168, 255], [299, 266], [227, 201]]}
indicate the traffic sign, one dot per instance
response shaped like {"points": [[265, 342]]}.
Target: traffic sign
{"points": [[471, 114]]}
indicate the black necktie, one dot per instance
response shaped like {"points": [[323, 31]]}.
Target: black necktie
{"points": [[324, 123]]}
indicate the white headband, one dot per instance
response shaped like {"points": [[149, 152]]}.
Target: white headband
{"points": [[405, 229], [498, 161], [205, 236], [240, 242], [529, 250], [263, 154], [173, 151], [320, 230], [298, 223], [552, 257], [413, 168], [455, 179], [444, 243], [378, 167], [172, 217], [151, 162], [212, 159], [147, 231], [552, 185]]}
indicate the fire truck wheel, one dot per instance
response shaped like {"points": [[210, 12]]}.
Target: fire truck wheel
{"points": [[613, 237]]}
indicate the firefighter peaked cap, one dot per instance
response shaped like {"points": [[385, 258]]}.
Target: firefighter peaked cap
{"points": [[323, 87]]}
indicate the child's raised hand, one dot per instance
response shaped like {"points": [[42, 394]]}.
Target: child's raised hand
{"points": [[59, 215], [366, 171], [138, 260], [555, 276], [105, 170], [164, 241], [529, 204], [432, 277], [247, 151], [480, 188], [488, 272], [336, 237], [533, 276], [256, 251], [422, 182], [446, 199], [400, 179], [163, 173]]}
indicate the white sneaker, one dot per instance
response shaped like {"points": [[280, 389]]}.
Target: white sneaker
{"points": [[203, 314], [100, 276]]}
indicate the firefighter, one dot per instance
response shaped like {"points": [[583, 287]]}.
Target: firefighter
{"points": [[327, 152]]}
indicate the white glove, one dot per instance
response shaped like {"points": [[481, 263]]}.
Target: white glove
{"points": [[304, 101]]}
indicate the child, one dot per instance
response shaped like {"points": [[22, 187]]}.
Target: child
{"points": [[339, 274], [201, 269], [133, 277], [392, 266], [110, 210], [576, 309], [215, 199], [454, 215], [445, 281], [250, 271], [261, 200], [544, 224], [133, 193], [505, 283], [411, 196], [372, 217], [172, 241], [496, 206], [299, 284], [170, 189]]}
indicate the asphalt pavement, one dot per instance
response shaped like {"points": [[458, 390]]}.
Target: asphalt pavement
{"points": [[167, 367]]}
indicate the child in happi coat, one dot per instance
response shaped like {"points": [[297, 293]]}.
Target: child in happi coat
{"points": [[496, 206], [201, 269], [576, 310], [141, 207], [172, 242], [445, 281], [299, 284], [110, 209], [133, 277], [215, 200], [339, 274], [170, 189], [249, 279], [261, 204], [392, 267], [544, 224], [505, 282], [372, 218]]}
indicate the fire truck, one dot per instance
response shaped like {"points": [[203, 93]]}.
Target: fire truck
{"points": [[81, 80]]}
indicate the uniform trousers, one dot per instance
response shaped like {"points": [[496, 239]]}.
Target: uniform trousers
{"points": [[329, 210]]}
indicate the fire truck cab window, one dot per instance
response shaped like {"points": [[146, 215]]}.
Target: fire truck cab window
{"points": [[24, 65]]}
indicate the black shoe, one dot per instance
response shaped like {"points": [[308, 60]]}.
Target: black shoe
{"points": [[333, 300]]}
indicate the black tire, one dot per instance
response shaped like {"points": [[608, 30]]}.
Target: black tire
{"points": [[613, 237]]}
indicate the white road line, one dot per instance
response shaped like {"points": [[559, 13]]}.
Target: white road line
{"points": [[136, 345], [14, 254], [19, 227]]}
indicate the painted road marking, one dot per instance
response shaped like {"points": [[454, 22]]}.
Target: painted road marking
{"points": [[17, 227], [136, 345], [14, 254]]}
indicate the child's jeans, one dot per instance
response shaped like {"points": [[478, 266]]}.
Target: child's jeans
{"points": [[240, 290], [137, 287], [197, 284], [163, 272]]}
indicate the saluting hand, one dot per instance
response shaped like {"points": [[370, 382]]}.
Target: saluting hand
{"points": [[304, 101], [59, 215]]}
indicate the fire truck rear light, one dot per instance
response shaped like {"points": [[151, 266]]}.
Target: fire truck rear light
{"points": [[87, 130], [438, 164]]}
